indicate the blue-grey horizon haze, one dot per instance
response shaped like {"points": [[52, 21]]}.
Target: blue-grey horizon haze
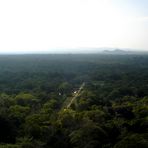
{"points": [[59, 26]]}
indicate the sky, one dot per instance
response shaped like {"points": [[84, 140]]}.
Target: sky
{"points": [[67, 25]]}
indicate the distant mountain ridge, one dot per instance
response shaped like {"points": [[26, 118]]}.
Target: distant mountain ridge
{"points": [[116, 51]]}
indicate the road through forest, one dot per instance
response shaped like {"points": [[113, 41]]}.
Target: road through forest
{"points": [[70, 101]]}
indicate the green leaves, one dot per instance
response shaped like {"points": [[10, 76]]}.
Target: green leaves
{"points": [[133, 141], [88, 135]]}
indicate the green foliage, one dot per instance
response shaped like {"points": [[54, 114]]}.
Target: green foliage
{"points": [[132, 141], [25, 99], [110, 112], [9, 146], [89, 135], [18, 111]]}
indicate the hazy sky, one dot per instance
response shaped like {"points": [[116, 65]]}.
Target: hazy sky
{"points": [[53, 25]]}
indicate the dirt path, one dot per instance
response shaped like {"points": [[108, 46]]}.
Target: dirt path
{"points": [[75, 96]]}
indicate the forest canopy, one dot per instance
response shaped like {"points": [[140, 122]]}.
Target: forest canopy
{"points": [[74, 101]]}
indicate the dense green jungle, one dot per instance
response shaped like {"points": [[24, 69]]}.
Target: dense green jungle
{"points": [[74, 101]]}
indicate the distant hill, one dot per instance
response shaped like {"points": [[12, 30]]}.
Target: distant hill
{"points": [[116, 51]]}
